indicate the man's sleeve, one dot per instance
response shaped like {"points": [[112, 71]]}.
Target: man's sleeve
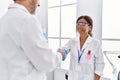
{"points": [[35, 47]]}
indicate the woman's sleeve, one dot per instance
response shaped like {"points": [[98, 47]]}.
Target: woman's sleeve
{"points": [[68, 45], [65, 49], [99, 61]]}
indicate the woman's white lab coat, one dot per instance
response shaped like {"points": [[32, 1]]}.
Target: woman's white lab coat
{"points": [[24, 53], [91, 61]]}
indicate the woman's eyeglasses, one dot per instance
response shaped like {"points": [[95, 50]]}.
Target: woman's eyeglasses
{"points": [[82, 24]]}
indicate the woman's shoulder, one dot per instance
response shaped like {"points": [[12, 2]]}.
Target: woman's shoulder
{"points": [[75, 39], [72, 41], [95, 41]]}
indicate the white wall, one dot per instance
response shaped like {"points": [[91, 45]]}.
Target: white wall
{"points": [[92, 8], [42, 14]]}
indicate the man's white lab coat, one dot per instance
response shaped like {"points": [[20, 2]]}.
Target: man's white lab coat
{"points": [[24, 53]]}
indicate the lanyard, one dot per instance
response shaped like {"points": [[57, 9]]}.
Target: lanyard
{"points": [[80, 54]]}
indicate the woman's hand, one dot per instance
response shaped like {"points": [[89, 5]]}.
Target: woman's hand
{"points": [[62, 53]]}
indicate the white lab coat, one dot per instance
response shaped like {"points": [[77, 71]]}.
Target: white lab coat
{"points": [[89, 65], [24, 53]]}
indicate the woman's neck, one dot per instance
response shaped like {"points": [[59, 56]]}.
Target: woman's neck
{"points": [[83, 37], [82, 40]]}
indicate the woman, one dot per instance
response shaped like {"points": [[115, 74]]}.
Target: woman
{"points": [[85, 52]]}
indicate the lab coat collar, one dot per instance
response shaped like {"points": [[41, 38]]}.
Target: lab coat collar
{"points": [[77, 39], [89, 39], [15, 5]]}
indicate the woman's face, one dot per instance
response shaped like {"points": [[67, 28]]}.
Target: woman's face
{"points": [[82, 26]]}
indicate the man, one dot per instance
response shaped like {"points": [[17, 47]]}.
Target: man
{"points": [[24, 54]]}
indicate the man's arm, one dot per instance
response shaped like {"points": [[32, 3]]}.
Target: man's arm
{"points": [[36, 49]]}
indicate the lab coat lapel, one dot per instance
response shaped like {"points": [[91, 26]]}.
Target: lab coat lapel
{"points": [[77, 41], [86, 42]]}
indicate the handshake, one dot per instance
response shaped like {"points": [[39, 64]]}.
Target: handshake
{"points": [[64, 52]]}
